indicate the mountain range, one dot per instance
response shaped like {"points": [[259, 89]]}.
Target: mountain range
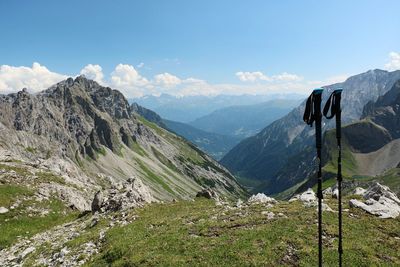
{"points": [[244, 120], [218, 132], [279, 156], [88, 138], [215, 145], [189, 108]]}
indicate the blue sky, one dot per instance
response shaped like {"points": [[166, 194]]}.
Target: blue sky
{"points": [[208, 42]]}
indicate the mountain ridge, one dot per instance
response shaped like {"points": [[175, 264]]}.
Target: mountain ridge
{"points": [[266, 156], [91, 137]]}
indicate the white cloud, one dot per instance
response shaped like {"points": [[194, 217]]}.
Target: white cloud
{"points": [[94, 72], [35, 78], [167, 80], [131, 83], [247, 76], [287, 77], [394, 63], [252, 76], [127, 76], [140, 65]]}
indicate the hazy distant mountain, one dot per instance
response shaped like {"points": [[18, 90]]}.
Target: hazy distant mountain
{"points": [[245, 120], [189, 108], [216, 145], [280, 155]]}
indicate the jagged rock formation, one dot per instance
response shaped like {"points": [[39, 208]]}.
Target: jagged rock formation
{"points": [[93, 139], [280, 155]]}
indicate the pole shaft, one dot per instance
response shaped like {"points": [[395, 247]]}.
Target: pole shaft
{"points": [[339, 179], [318, 137]]}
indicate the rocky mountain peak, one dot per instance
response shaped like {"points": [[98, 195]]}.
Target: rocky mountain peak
{"points": [[80, 123]]}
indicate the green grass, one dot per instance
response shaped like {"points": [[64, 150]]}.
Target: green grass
{"points": [[152, 125], [102, 151], [18, 170], [349, 164], [168, 163], [17, 223], [138, 149], [90, 234], [155, 178], [47, 177], [30, 149], [10, 193], [201, 234]]}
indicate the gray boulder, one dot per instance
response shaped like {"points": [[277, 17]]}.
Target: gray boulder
{"points": [[207, 193], [359, 191], [261, 198], [132, 193], [3, 210], [305, 197], [379, 201]]}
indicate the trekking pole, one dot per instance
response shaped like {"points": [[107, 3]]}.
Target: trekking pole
{"points": [[313, 113], [333, 104]]}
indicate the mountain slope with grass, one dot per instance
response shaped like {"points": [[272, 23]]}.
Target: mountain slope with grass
{"points": [[280, 155], [92, 132]]}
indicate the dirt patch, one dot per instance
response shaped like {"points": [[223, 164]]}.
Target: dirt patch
{"points": [[377, 162]]}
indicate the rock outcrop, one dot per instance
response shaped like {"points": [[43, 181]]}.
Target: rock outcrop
{"points": [[305, 197], [261, 198], [207, 193], [379, 201], [124, 196], [309, 199], [359, 191]]}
